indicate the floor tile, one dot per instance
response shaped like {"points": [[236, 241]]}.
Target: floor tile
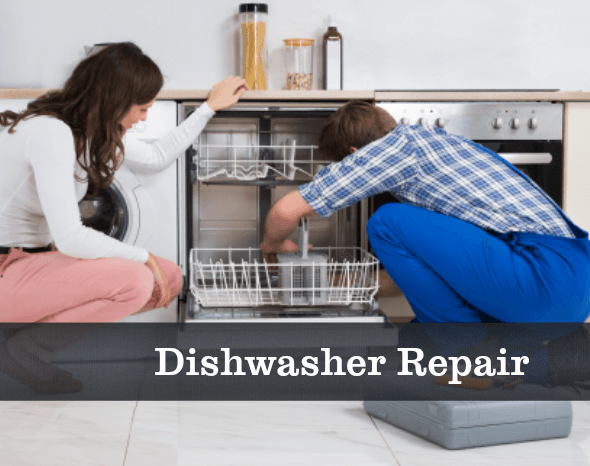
{"points": [[361, 448], [262, 448], [152, 450], [581, 414], [258, 433], [33, 420], [81, 433], [73, 451], [263, 416], [54, 404], [159, 422]]}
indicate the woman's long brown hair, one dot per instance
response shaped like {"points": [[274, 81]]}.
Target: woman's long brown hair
{"points": [[93, 101]]}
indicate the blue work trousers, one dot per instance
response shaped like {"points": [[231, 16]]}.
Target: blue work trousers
{"points": [[450, 269], [453, 271]]}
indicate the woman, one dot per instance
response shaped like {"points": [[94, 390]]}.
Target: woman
{"points": [[64, 145]]}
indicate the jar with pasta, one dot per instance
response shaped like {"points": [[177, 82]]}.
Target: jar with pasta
{"points": [[253, 52], [299, 62]]}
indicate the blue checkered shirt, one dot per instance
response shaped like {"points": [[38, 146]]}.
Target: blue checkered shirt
{"points": [[445, 173]]}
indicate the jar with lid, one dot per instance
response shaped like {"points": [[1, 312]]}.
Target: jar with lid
{"points": [[299, 62], [253, 52]]}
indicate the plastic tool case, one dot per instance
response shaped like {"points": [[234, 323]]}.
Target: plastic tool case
{"points": [[464, 424]]}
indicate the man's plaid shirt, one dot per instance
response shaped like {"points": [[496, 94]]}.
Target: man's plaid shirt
{"points": [[426, 167]]}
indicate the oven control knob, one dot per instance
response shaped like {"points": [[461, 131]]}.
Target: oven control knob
{"points": [[423, 121], [497, 123], [533, 123], [515, 123], [405, 121], [441, 122]]}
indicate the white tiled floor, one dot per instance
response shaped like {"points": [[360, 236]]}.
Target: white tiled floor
{"points": [[245, 433]]}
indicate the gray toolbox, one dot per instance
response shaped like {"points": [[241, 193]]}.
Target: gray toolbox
{"points": [[464, 424]]}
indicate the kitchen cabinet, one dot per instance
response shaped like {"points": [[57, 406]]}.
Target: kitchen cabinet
{"points": [[577, 163]]}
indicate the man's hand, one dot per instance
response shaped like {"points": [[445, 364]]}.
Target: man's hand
{"points": [[270, 251], [280, 222]]}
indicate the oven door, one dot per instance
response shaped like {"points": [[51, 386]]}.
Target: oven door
{"points": [[541, 161]]}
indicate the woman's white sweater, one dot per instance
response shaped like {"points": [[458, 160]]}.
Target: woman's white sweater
{"points": [[39, 194]]}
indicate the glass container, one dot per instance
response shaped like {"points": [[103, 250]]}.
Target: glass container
{"points": [[253, 51], [299, 61]]}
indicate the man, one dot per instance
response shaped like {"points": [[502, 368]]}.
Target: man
{"points": [[473, 238]]}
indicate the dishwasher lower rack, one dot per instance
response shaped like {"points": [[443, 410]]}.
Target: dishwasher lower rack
{"points": [[230, 278]]}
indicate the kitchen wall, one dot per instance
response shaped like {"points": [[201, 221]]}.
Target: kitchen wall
{"points": [[388, 44]]}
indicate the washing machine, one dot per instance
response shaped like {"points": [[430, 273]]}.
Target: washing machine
{"points": [[140, 207]]}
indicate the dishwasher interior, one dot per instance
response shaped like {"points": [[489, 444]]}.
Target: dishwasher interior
{"points": [[247, 158]]}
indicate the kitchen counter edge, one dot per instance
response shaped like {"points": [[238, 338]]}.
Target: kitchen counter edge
{"points": [[417, 96]]}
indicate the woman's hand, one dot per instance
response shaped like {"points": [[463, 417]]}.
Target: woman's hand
{"points": [[226, 92], [162, 284]]}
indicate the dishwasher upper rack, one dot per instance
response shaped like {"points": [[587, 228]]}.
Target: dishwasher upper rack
{"points": [[239, 277], [241, 156]]}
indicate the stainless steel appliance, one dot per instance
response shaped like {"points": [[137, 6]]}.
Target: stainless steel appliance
{"points": [[527, 134], [246, 158]]}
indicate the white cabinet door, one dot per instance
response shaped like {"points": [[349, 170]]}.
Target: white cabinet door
{"points": [[577, 163]]}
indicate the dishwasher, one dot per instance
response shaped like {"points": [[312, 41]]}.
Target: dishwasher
{"points": [[247, 157]]}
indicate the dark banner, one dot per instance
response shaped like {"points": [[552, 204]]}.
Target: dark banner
{"points": [[295, 361]]}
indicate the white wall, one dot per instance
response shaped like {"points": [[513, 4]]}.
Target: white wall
{"points": [[388, 44]]}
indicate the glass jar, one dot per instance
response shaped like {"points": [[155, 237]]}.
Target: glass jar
{"points": [[299, 61], [253, 52]]}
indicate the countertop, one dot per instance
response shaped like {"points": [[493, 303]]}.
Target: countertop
{"points": [[432, 96]]}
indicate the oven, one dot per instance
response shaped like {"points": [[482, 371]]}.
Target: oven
{"points": [[527, 134], [246, 158]]}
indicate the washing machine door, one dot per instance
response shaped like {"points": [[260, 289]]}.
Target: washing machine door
{"points": [[106, 212], [116, 211]]}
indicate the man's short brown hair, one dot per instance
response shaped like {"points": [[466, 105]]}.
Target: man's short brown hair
{"points": [[356, 124]]}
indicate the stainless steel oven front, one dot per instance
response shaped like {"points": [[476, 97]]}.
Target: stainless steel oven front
{"points": [[247, 157], [527, 134]]}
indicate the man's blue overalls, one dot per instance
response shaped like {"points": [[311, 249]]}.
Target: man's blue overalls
{"points": [[453, 271]]}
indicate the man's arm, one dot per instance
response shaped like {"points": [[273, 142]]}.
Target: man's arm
{"points": [[281, 221]]}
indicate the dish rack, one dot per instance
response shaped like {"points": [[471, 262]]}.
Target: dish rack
{"points": [[239, 155], [241, 278], [238, 167]]}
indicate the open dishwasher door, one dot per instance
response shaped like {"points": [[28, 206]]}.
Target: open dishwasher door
{"points": [[247, 158]]}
